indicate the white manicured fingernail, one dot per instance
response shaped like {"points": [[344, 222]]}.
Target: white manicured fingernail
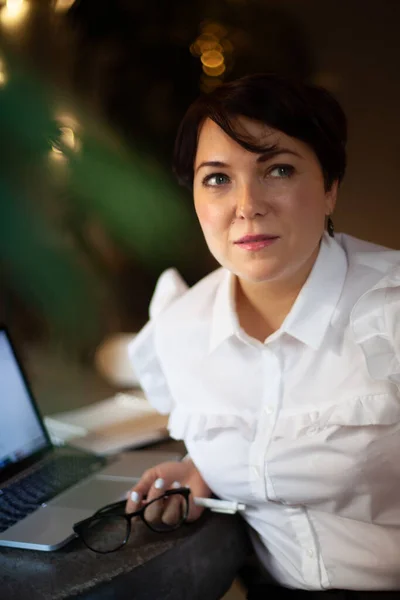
{"points": [[176, 485], [159, 483], [134, 497]]}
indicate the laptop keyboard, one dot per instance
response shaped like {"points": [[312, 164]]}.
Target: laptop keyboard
{"points": [[19, 499]]}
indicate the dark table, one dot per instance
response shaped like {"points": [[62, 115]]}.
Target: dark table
{"points": [[197, 561]]}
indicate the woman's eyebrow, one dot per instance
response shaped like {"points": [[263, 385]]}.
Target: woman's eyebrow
{"points": [[211, 163], [275, 152]]}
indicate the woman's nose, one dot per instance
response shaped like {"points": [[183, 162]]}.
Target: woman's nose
{"points": [[250, 203]]}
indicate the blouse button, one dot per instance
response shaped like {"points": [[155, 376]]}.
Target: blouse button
{"points": [[256, 471], [310, 552], [268, 410]]}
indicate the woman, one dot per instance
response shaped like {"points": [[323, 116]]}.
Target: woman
{"points": [[281, 370]]}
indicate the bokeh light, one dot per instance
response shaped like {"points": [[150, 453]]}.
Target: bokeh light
{"points": [[215, 51], [63, 5], [212, 59], [208, 84], [3, 73], [214, 71], [67, 139], [215, 29], [14, 12]]}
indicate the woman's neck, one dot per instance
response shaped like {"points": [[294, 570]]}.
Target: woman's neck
{"points": [[262, 307]]}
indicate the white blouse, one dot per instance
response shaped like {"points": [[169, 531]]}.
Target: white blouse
{"points": [[303, 428]]}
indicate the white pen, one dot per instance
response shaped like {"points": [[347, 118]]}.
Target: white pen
{"points": [[221, 506]]}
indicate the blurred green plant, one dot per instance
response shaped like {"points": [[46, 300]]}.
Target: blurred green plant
{"points": [[53, 166]]}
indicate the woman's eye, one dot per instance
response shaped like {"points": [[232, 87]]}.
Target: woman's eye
{"points": [[216, 179], [281, 171]]}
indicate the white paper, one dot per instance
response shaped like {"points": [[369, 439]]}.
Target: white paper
{"points": [[122, 421]]}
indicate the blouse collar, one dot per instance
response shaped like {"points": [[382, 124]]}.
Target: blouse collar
{"points": [[312, 311]]}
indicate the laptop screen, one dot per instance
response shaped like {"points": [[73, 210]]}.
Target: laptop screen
{"points": [[21, 432]]}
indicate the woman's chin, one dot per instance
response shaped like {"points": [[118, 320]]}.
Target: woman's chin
{"points": [[256, 268], [257, 273]]}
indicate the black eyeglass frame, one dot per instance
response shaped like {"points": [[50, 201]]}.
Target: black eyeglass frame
{"points": [[81, 525]]}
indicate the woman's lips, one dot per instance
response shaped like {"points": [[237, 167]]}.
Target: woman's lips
{"points": [[256, 242]]}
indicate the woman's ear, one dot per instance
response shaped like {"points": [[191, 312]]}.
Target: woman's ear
{"points": [[331, 197]]}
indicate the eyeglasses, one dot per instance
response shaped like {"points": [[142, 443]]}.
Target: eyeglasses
{"points": [[110, 527]]}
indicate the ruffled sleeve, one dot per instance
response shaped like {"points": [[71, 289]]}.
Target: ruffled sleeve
{"points": [[375, 322], [142, 350], [186, 423]]}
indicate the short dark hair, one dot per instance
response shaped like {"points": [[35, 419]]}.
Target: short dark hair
{"points": [[303, 111]]}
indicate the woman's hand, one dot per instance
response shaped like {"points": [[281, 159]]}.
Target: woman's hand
{"points": [[165, 476]]}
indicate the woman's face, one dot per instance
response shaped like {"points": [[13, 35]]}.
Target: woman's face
{"points": [[262, 215]]}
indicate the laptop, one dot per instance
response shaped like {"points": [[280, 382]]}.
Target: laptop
{"points": [[45, 489]]}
